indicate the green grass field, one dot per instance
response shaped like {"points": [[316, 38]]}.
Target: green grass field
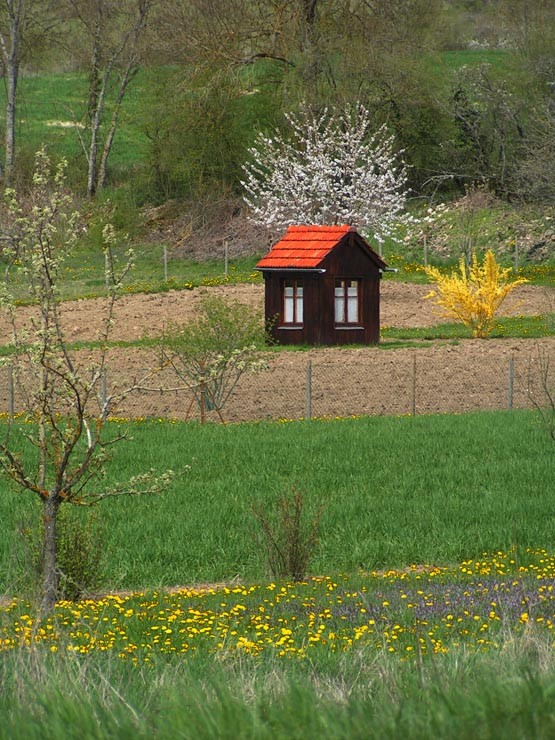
{"points": [[431, 489]]}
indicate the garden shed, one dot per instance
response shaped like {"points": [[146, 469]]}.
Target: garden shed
{"points": [[322, 287]]}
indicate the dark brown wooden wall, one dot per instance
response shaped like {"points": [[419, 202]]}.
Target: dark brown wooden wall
{"points": [[347, 261]]}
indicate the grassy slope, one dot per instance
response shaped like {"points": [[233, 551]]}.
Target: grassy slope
{"points": [[396, 490], [46, 101], [48, 98]]}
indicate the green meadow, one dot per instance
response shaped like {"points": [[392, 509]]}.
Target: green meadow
{"points": [[430, 489], [428, 610]]}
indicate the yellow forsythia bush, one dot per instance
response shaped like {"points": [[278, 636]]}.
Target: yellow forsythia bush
{"points": [[473, 295]]}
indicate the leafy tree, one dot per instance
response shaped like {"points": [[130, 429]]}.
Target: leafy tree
{"points": [[475, 294], [199, 134], [325, 53], [24, 24], [490, 121], [329, 170], [60, 451], [113, 33], [536, 170], [211, 353]]}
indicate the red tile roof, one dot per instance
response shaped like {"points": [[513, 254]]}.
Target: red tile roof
{"points": [[303, 246]]}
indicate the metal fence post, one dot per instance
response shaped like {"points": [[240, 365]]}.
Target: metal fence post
{"points": [[308, 411], [11, 394], [510, 391], [165, 264], [413, 389]]}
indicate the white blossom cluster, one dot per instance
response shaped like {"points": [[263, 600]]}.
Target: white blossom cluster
{"points": [[330, 170]]}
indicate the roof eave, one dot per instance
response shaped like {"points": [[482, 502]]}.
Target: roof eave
{"points": [[290, 269]]}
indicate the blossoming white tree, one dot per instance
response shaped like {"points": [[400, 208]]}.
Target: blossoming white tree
{"points": [[59, 450], [331, 169]]}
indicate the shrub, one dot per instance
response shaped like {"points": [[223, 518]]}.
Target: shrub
{"points": [[211, 353], [290, 540], [475, 293], [79, 536]]}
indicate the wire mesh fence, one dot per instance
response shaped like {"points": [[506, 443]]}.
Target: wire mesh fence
{"points": [[339, 383]]}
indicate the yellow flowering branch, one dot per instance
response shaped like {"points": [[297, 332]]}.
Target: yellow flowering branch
{"points": [[473, 295]]}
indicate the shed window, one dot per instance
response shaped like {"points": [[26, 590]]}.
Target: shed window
{"points": [[346, 301], [292, 302]]}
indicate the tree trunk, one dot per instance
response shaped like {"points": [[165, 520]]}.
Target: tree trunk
{"points": [[50, 572], [93, 157], [309, 45], [12, 75], [96, 99], [10, 43], [128, 75]]}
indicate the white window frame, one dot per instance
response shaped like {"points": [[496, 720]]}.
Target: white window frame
{"points": [[293, 298], [347, 302]]}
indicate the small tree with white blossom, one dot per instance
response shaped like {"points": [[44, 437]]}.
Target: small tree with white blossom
{"points": [[60, 450], [330, 169]]}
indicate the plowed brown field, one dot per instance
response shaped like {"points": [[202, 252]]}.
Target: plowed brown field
{"points": [[440, 377]]}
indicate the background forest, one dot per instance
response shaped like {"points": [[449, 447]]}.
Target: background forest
{"points": [[156, 102]]}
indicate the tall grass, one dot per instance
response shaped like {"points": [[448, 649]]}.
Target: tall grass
{"points": [[463, 695], [395, 491]]}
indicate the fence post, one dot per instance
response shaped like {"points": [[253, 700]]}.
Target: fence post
{"points": [[165, 264], [510, 391], [413, 389], [202, 402], [226, 259], [308, 411], [11, 394], [516, 254]]}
